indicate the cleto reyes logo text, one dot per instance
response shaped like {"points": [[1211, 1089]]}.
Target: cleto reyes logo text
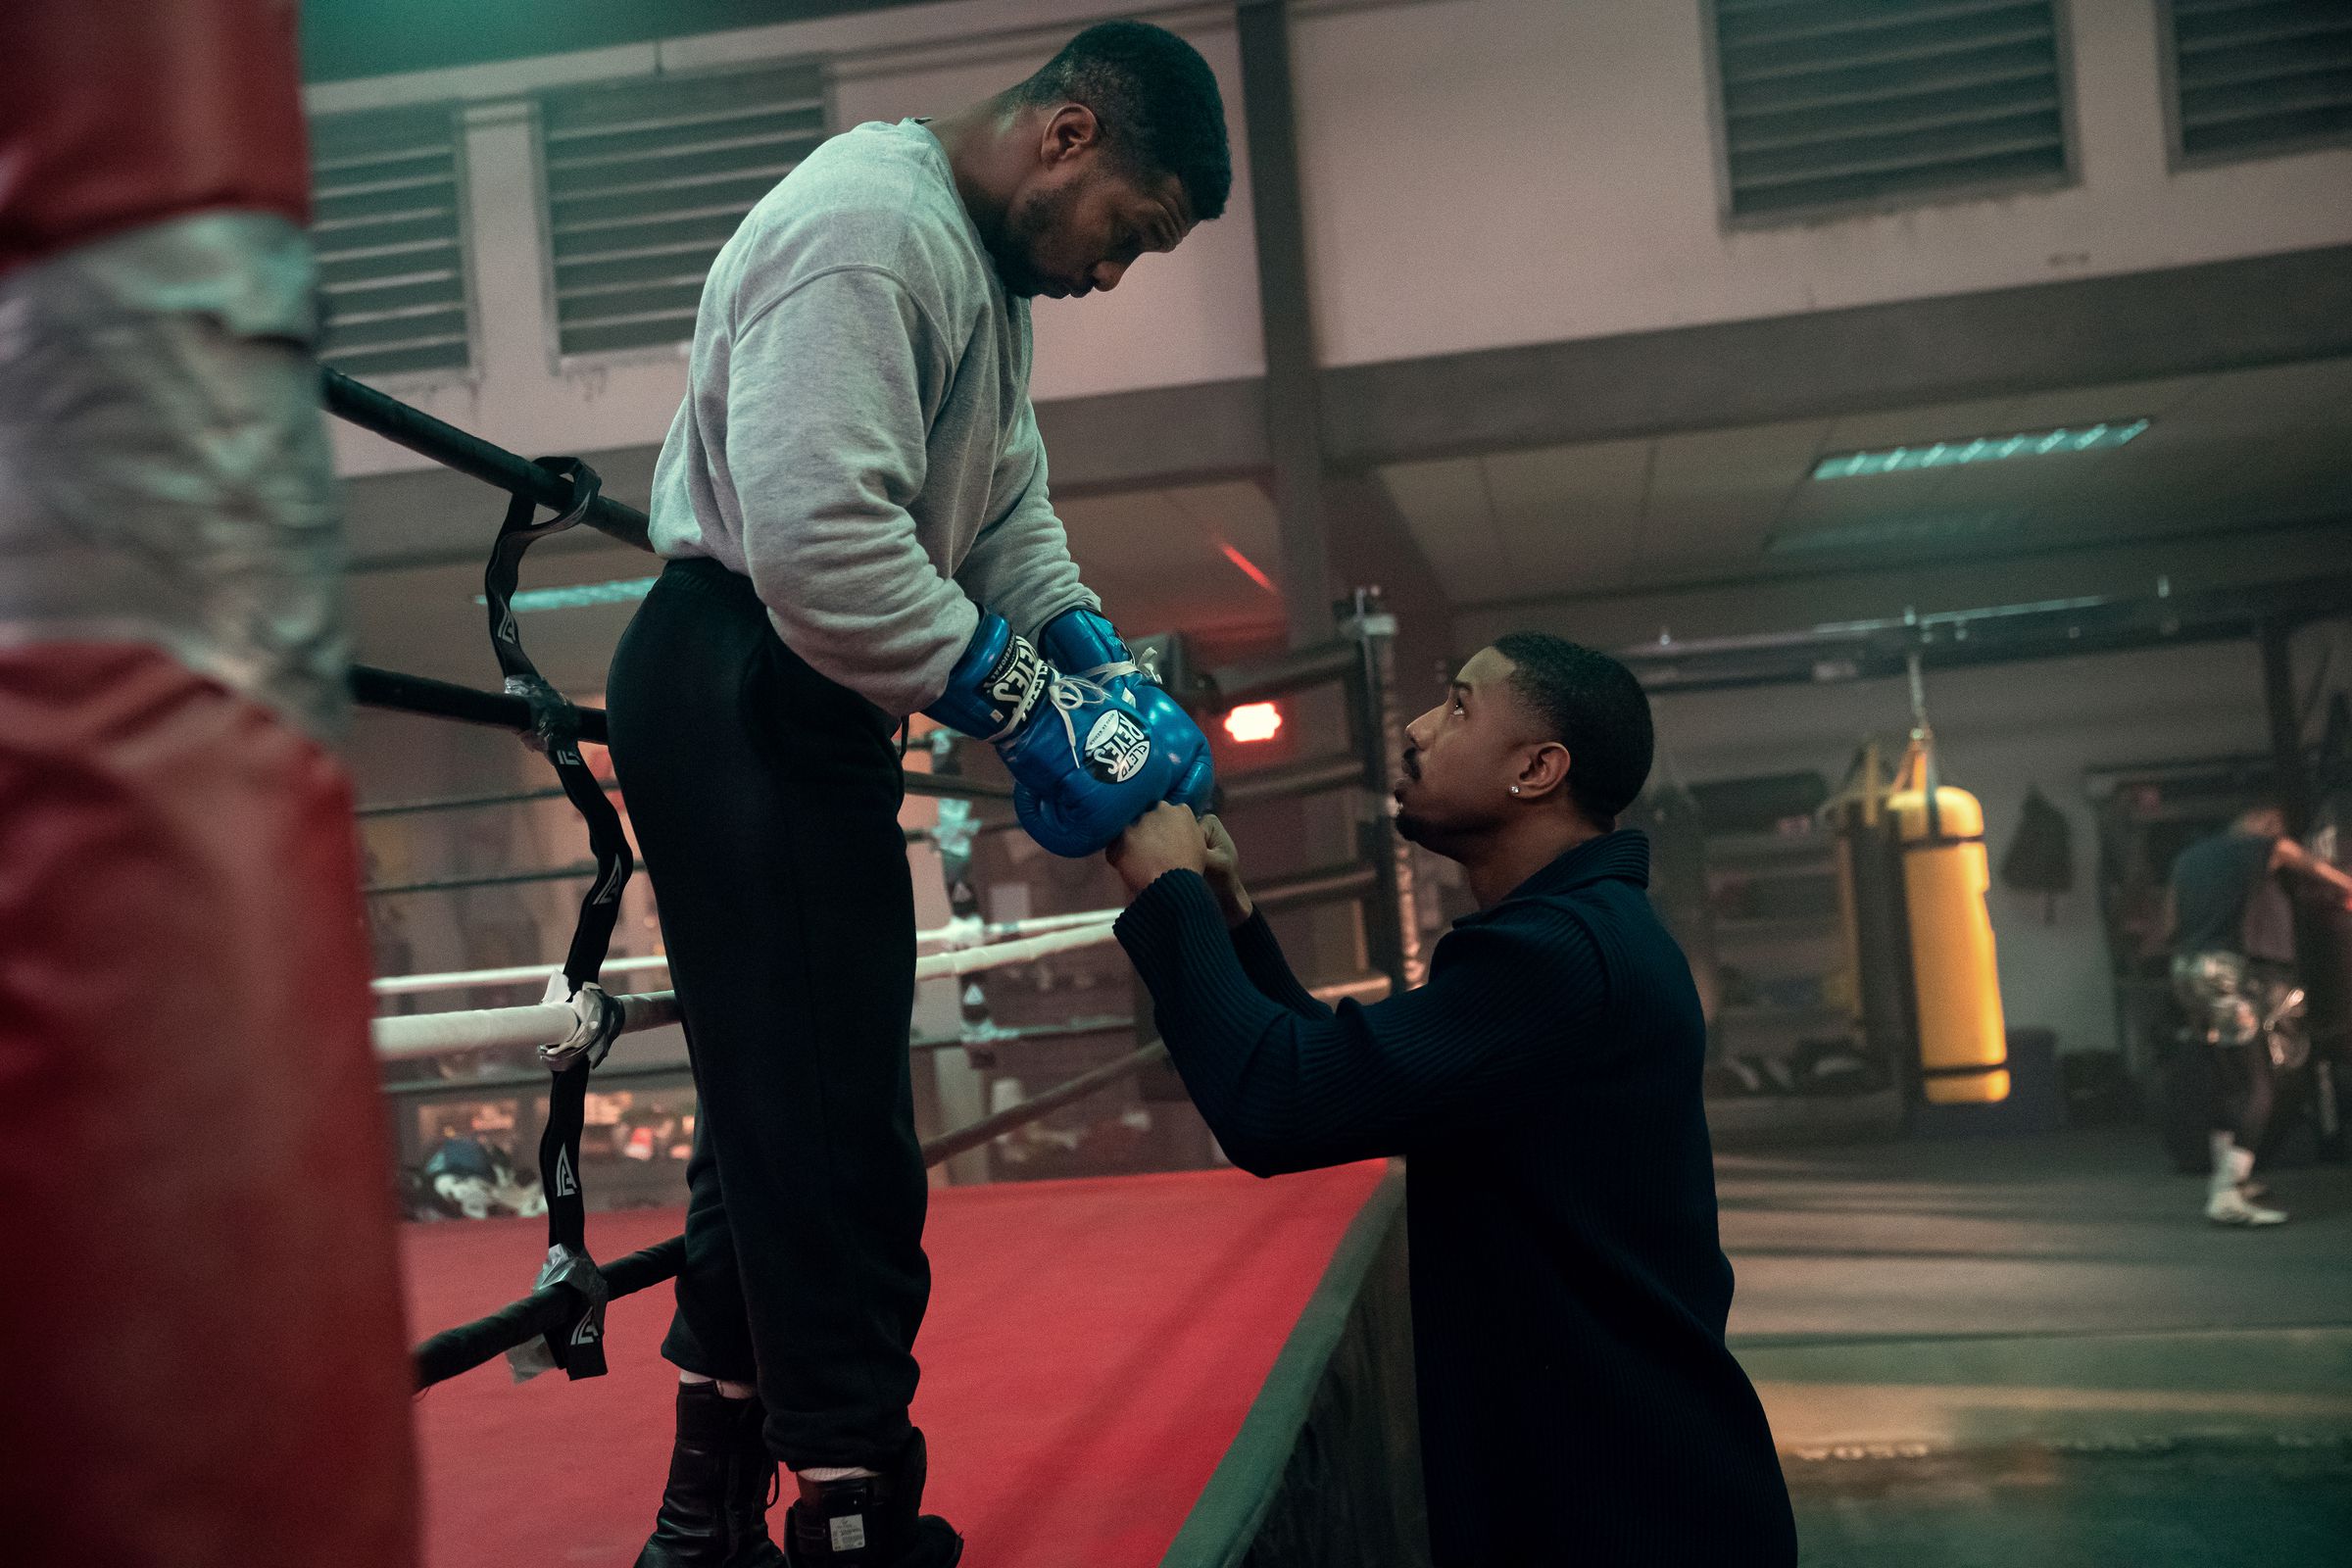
{"points": [[1014, 683], [1116, 748]]}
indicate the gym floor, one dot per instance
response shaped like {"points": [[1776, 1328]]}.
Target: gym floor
{"points": [[2015, 1353]]}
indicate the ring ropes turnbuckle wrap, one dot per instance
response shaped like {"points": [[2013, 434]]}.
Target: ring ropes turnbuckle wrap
{"points": [[578, 1344]]}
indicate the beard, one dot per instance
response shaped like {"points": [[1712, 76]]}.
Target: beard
{"points": [[1411, 826], [1430, 832], [1014, 248], [1440, 825]]}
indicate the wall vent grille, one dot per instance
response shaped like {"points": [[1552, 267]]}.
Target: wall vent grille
{"points": [[646, 181], [2253, 77], [388, 225], [1834, 102]]}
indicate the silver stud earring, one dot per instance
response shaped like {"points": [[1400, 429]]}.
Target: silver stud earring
{"points": [[1515, 789]]}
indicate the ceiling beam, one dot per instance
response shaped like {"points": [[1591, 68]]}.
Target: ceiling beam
{"points": [[1878, 566], [2220, 315], [1154, 437], [2188, 320], [2143, 326], [2000, 634]]}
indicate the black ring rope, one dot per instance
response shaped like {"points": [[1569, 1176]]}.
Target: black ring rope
{"points": [[552, 1311], [555, 1312], [562, 1321]]}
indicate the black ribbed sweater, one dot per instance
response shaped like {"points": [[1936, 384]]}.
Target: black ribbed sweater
{"points": [[1578, 1405]]}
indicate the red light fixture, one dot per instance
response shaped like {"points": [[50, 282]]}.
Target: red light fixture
{"points": [[1253, 721], [1248, 567]]}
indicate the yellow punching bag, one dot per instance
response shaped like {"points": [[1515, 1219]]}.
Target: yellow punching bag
{"points": [[1963, 1040]]}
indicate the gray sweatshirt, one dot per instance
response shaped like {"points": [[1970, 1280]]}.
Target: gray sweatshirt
{"points": [[857, 436]]}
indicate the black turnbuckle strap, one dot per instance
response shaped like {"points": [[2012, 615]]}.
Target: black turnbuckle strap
{"points": [[578, 1346]]}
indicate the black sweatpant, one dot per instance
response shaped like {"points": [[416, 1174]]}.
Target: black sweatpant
{"points": [[766, 799], [2245, 1093]]}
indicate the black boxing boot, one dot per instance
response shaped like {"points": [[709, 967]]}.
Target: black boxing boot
{"points": [[870, 1522], [721, 1478]]}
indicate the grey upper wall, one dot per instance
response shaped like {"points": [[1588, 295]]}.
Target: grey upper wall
{"points": [[1516, 240], [1479, 178], [342, 39]]}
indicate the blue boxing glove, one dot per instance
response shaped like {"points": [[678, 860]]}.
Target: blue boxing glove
{"points": [[1083, 764], [1081, 643]]}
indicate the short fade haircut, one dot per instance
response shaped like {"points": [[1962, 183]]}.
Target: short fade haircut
{"points": [[1158, 103], [1595, 707]]}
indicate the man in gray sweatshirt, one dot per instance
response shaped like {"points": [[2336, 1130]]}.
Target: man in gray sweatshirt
{"points": [[853, 503]]}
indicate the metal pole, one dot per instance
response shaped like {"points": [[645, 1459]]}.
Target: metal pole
{"points": [[1293, 779], [1260, 679], [2277, 639], [958, 1076], [1392, 926], [1294, 379]]}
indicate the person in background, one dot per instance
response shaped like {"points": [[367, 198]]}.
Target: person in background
{"points": [[1578, 1403], [2234, 955], [471, 1177]]}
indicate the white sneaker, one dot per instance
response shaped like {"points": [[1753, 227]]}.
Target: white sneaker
{"points": [[2228, 1207]]}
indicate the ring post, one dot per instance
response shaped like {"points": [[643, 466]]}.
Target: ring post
{"points": [[1392, 928]]}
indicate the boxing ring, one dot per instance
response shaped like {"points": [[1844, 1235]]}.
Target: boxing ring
{"points": [[1118, 1370], [1095, 1353]]}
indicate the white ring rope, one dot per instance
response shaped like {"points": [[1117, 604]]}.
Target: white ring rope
{"points": [[969, 960], [409, 985], [956, 934], [434, 1034], [968, 933]]}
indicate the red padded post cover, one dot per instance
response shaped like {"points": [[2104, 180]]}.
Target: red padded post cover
{"points": [[206, 1355], [115, 113]]}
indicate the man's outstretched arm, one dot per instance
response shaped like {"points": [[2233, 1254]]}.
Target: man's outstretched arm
{"points": [[2289, 856], [1285, 1091]]}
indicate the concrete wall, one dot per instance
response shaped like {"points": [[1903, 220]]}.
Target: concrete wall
{"points": [[1180, 320], [1490, 173], [1478, 173], [2000, 731], [2001, 728]]}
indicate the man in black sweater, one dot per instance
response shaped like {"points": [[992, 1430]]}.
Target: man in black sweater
{"points": [[1578, 1405]]}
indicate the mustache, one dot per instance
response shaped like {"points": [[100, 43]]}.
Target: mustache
{"points": [[1412, 763]]}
